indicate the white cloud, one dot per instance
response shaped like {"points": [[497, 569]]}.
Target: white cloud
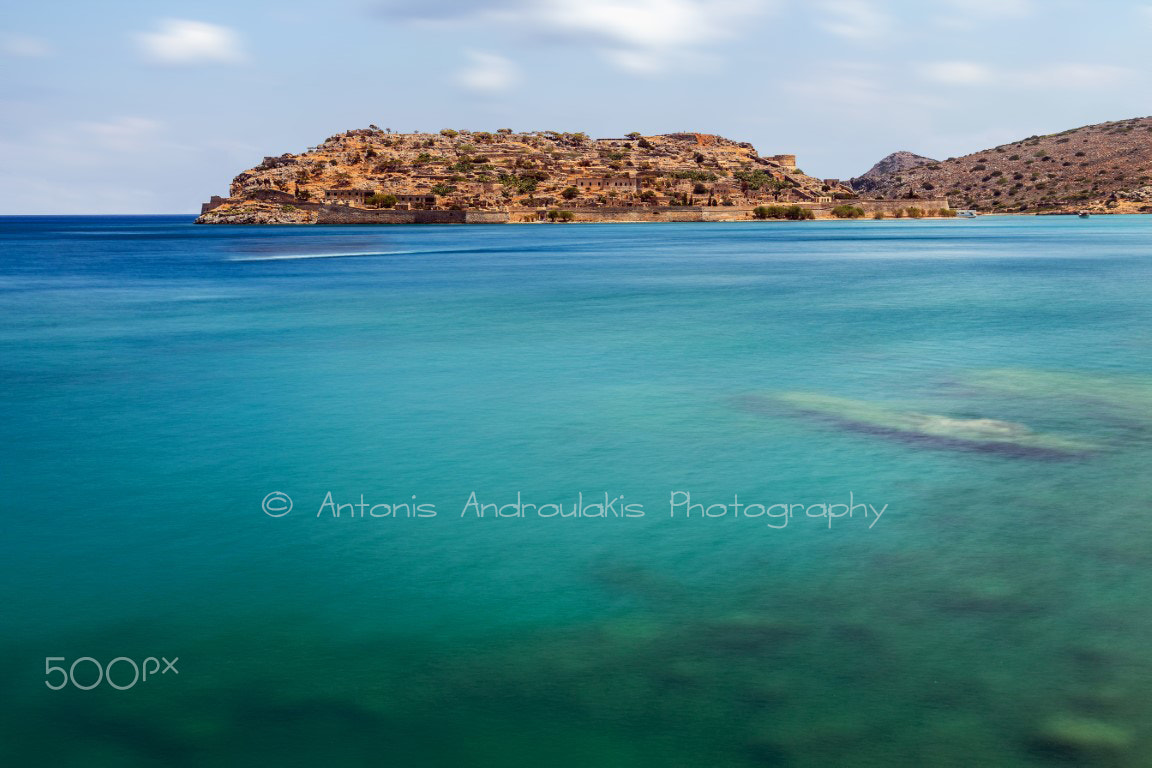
{"points": [[488, 73], [840, 90], [956, 73], [645, 36], [993, 8], [969, 14], [180, 41], [641, 36], [25, 47], [1145, 11], [1073, 76], [858, 88], [122, 134], [858, 20], [1060, 76], [442, 10]]}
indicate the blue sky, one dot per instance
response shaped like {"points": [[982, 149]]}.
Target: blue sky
{"points": [[150, 107]]}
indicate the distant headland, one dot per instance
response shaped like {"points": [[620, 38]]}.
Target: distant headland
{"points": [[1102, 168], [374, 176]]}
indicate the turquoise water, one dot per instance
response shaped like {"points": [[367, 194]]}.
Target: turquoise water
{"points": [[160, 379]]}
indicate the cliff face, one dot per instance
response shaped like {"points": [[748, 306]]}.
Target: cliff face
{"points": [[515, 173], [1105, 167]]}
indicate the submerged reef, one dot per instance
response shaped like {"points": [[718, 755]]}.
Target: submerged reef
{"points": [[935, 429]]}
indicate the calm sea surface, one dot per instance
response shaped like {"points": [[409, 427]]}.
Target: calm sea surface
{"points": [[985, 385]]}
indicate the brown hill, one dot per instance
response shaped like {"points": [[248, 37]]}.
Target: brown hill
{"points": [[894, 164], [1098, 167], [515, 173]]}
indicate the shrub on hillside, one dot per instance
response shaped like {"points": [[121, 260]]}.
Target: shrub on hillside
{"points": [[848, 212]]}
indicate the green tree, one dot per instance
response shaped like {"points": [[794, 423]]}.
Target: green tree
{"points": [[570, 193], [381, 201], [700, 176], [777, 187], [848, 212], [521, 184], [793, 212]]}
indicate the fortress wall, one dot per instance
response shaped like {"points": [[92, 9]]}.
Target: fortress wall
{"points": [[214, 202], [341, 214], [738, 213], [637, 214], [486, 217]]}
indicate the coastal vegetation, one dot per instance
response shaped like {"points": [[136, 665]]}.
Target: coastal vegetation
{"points": [[792, 212]]}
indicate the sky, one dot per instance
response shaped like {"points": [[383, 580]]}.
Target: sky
{"points": [[151, 106]]}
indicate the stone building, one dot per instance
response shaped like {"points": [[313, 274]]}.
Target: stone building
{"points": [[607, 183], [421, 201], [347, 196]]}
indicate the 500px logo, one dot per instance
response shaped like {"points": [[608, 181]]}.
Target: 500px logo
{"points": [[104, 672]]}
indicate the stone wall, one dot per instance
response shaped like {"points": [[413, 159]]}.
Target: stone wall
{"points": [[214, 202], [891, 206], [342, 214], [637, 213], [822, 210]]}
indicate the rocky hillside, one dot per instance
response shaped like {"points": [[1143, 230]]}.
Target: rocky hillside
{"points": [[1105, 167], [504, 171], [893, 165]]}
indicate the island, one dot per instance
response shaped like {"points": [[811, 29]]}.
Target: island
{"points": [[375, 176]]}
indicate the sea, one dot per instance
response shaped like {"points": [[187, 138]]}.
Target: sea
{"points": [[796, 494]]}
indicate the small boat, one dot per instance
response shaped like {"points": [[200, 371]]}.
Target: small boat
{"points": [[1083, 214], [966, 214]]}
